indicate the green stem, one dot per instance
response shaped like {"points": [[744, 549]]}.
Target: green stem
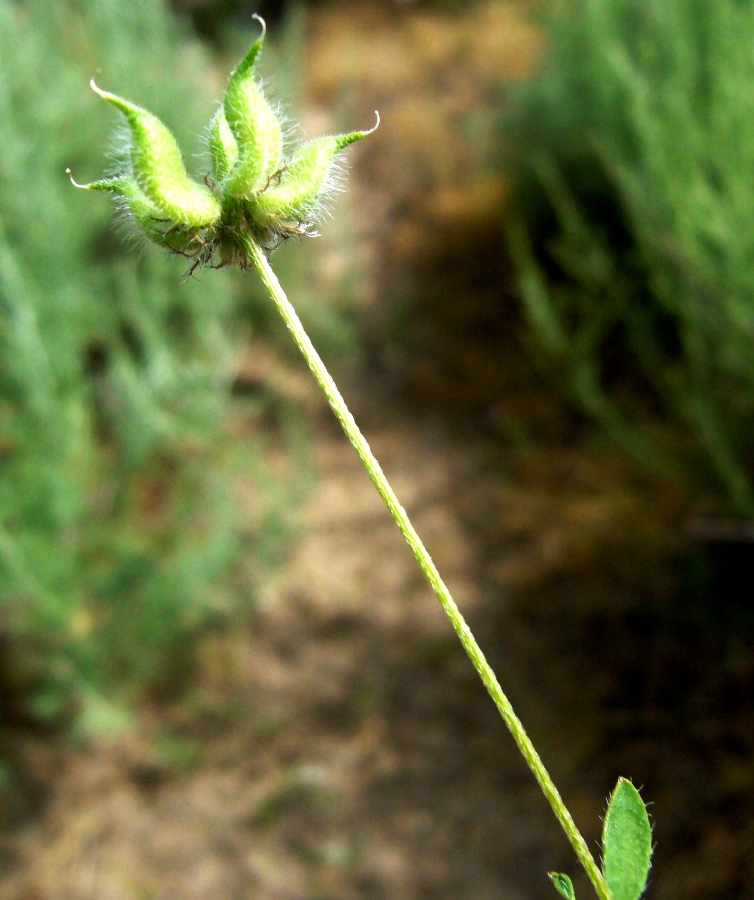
{"points": [[401, 518]]}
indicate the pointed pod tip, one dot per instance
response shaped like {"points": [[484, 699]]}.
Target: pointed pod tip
{"points": [[116, 185], [263, 24], [84, 187], [126, 107], [247, 64], [106, 95], [343, 140], [95, 88]]}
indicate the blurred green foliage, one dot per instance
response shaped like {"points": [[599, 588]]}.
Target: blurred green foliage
{"points": [[635, 231], [117, 521]]}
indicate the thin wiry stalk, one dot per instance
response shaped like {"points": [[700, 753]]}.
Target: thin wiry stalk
{"points": [[337, 403]]}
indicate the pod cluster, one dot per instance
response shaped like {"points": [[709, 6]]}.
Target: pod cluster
{"points": [[256, 188]]}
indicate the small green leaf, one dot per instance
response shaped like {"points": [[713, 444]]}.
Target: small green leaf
{"points": [[626, 843], [562, 885]]}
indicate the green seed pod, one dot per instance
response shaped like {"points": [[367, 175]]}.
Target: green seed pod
{"points": [[223, 148], [258, 197], [148, 218], [159, 171], [305, 182], [255, 127]]}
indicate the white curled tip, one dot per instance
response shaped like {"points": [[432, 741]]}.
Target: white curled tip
{"points": [[106, 95], [75, 183], [262, 23], [376, 124]]}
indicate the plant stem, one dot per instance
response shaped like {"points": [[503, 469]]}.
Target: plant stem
{"points": [[343, 414]]}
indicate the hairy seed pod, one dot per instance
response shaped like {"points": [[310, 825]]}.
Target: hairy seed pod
{"points": [[223, 148], [146, 216], [305, 181], [159, 171], [255, 127], [253, 192]]}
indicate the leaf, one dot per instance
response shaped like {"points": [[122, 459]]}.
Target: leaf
{"points": [[562, 885], [626, 843]]}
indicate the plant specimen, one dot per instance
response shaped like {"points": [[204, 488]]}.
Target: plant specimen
{"points": [[257, 194]]}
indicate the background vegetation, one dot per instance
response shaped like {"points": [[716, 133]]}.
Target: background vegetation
{"points": [[117, 526], [636, 187]]}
